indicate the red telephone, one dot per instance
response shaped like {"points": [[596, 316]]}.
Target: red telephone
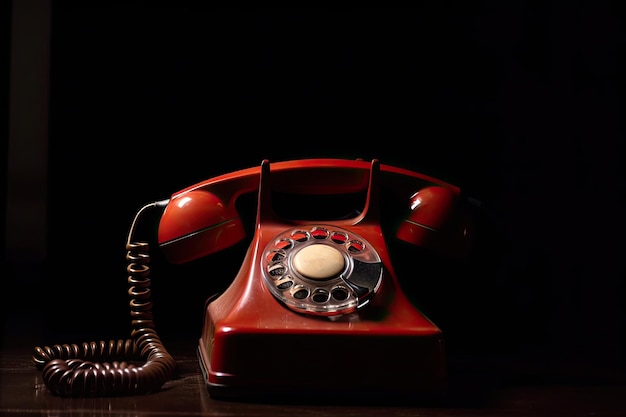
{"points": [[316, 307]]}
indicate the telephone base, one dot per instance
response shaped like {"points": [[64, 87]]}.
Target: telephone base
{"points": [[288, 394], [363, 368]]}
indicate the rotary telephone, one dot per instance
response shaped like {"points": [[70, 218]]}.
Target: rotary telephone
{"points": [[316, 307]]}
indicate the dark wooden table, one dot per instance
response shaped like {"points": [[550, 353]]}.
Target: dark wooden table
{"points": [[485, 386]]}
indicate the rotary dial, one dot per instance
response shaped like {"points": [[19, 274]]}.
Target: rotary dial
{"points": [[321, 270]]}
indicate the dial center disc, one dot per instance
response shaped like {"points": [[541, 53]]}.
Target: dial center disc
{"points": [[319, 262]]}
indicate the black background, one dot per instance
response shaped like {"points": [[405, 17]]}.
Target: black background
{"points": [[519, 103]]}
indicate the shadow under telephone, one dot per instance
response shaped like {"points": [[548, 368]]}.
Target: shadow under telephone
{"points": [[316, 306]]}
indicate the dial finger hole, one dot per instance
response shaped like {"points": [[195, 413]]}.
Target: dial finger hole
{"points": [[319, 233], [340, 293], [276, 256], [284, 244], [276, 270], [320, 296], [300, 236], [284, 283], [338, 237], [355, 246], [300, 292]]}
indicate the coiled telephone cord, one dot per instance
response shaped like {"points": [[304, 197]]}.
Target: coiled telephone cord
{"points": [[111, 368]]}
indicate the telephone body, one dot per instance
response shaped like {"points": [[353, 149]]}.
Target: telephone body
{"points": [[316, 308]]}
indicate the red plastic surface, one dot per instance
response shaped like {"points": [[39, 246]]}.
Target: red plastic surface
{"points": [[196, 224], [436, 222]]}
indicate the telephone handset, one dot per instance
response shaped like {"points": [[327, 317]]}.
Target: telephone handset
{"points": [[316, 307]]}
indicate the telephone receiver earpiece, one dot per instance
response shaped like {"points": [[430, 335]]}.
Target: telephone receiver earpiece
{"points": [[197, 224], [436, 222]]}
